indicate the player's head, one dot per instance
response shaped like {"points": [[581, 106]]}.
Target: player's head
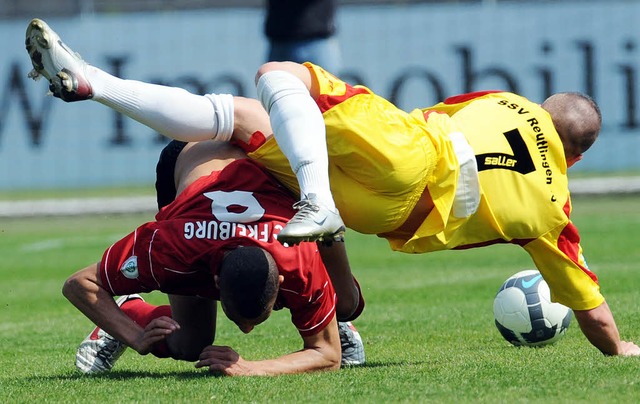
{"points": [[248, 280], [577, 119]]}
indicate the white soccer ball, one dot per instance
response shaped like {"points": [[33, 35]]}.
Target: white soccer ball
{"points": [[524, 313]]}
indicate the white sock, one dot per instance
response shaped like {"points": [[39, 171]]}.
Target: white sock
{"points": [[171, 111], [299, 129]]}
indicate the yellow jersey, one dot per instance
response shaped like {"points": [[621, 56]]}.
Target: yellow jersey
{"points": [[524, 195], [381, 159]]}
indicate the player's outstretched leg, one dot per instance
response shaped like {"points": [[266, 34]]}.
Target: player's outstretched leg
{"points": [[352, 346], [171, 111], [100, 351], [298, 126], [312, 222], [51, 58]]}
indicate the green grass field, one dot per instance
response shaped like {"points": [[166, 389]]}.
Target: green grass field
{"points": [[428, 326]]}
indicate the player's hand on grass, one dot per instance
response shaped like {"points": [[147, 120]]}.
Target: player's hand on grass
{"points": [[224, 361], [157, 330], [629, 349]]}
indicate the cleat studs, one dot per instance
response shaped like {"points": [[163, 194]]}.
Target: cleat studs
{"points": [[66, 81], [43, 40], [33, 74]]}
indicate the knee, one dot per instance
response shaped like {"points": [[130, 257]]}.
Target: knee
{"points": [[74, 287], [69, 287], [274, 83], [272, 66], [349, 306], [188, 347], [188, 352], [298, 70]]}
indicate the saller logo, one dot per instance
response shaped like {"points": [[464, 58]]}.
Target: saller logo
{"points": [[520, 161], [130, 268]]}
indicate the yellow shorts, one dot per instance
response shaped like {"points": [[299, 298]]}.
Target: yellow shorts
{"points": [[380, 157]]}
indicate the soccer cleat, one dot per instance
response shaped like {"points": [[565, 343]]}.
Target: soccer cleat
{"points": [[100, 351], [312, 222], [351, 343], [62, 67]]}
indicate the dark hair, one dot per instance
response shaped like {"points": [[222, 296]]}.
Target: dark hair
{"points": [[577, 119], [589, 136], [248, 282]]}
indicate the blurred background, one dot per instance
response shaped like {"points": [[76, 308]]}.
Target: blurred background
{"points": [[414, 53]]}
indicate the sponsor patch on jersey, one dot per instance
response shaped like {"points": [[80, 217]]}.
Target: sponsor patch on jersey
{"points": [[130, 268]]}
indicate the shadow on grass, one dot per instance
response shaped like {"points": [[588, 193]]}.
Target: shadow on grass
{"points": [[190, 375], [125, 374], [374, 364]]}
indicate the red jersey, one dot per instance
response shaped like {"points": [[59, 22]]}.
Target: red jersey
{"points": [[181, 251]]}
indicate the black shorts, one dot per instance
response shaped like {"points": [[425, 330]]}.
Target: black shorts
{"points": [[165, 173]]}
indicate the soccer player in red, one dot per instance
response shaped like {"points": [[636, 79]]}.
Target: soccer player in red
{"points": [[215, 242], [474, 170]]}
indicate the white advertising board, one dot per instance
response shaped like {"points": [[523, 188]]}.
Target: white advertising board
{"points": [[414, 55]]}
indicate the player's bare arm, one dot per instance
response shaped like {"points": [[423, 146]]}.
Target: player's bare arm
{"points": [[336, 261], [320, 352], [84, 290], [600, 329]]}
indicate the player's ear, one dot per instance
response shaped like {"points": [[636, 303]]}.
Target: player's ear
{"points": [[280, 279], [216, 281], [572, 160]]}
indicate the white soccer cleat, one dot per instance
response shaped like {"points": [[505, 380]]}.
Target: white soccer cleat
{"points": [[100, 351], [53, 59], [351, 343], [312, 222]]}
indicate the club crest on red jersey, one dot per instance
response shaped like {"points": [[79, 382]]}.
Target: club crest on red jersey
{"points": [[130, 268]]}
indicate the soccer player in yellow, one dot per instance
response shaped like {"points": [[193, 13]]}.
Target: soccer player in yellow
{"points": [[474, 170]]}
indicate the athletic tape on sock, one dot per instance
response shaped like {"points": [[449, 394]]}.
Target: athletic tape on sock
{"points": [[223, 109]]}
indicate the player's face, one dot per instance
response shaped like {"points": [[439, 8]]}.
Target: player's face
{"points": [[247, 325]]}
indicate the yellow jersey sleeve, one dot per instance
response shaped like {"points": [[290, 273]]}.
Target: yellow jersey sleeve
{"points": [[558, 257]]}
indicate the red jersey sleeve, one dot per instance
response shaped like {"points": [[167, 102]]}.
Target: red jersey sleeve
{"points": [[145, 260], [307, 290]]}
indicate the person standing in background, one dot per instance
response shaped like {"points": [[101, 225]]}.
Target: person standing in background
{"points": [[303, 31]]}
